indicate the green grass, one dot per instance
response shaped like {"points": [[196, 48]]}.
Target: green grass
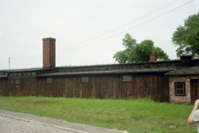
{"points": [[135, 115]]}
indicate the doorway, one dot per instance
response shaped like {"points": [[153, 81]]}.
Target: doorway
{"points": [[194, 90]]}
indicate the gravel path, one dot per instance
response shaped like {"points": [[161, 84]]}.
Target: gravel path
{"points": [[10, 125], [14, 122]]}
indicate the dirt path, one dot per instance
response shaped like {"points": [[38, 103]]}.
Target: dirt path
{"points": [[14, 122]]}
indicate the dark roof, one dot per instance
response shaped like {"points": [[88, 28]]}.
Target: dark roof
{"points": [[184, 71], [145, 67], [183, 66], [163, 70], [24, 70]]}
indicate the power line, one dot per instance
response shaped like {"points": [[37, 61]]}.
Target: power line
{"points": [[161, 8], [131, 27], [92, 43]]}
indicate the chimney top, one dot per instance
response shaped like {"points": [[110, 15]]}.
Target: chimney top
{"points": [[152, 57], [49, 38], [186, 60]]}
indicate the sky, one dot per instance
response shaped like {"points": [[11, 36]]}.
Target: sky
{"points": [[87, 32]]}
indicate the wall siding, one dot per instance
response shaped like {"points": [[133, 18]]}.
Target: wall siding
{"points": [[4, 87], [27, 87], [191, 89], [99, 86], [107, 86]]}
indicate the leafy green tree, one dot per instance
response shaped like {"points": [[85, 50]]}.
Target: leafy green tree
{"points": [[129, 43], [161, 54], [186, 37], [121, 57], [142, 51], [135, 52]]}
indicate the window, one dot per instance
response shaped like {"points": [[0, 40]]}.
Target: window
{"points": [[2, 73], [24, 74], [126, 78], [19, 74], [33, 73], [180, 89], [84, 79], [29, 74], [17, 81], [49, 80]]}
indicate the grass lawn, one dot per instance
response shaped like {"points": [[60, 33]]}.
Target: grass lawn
{"points": [[135, 115]]}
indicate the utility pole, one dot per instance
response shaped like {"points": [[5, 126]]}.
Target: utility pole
{"points": [[9, 59]]}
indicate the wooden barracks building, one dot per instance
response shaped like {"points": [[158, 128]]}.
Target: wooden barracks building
{"points": [[175, 81]]}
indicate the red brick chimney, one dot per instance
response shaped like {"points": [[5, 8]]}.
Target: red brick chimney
{"points": [[152, 57], [49, 52]]}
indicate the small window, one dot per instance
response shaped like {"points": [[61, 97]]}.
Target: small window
{"points": [[17, 81], [15, 74], [24, 74], [29, 74], [33, 73], [49, 80], [84, 79], [19, 74], [2, 73], [126, 78], [180, 89], [11, 74]]}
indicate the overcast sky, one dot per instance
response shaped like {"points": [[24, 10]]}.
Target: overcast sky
{"points": [[87, 32]]}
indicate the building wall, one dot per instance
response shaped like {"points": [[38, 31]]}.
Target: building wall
{"points": [[98, 86], [191, 89], [4, 87], [106, 86], [27, 86]]}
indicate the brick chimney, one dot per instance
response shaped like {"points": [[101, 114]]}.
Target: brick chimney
{"points": [[152, 57], [49, 52], [186, 60]]}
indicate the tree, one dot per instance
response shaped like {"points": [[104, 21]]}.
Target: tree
{"points": [[186, 37], [135, 52], [142, 51], [129, 43], [161, 54]]}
